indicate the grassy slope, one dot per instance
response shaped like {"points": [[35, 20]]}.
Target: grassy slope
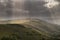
{"points": [[19, 30]]}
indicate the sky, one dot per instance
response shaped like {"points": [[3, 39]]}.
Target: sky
{"points": [[51, 3], [46, 10]]}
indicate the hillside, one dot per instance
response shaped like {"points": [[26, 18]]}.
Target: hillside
{"points": [[47, 29], [34, 29], [42, 25], [19, 32]]}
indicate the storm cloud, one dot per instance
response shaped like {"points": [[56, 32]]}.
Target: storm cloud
{"points": [[21, 9]]}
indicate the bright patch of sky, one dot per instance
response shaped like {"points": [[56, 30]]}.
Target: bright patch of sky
{"points": [[51, 3], [1, 0]]}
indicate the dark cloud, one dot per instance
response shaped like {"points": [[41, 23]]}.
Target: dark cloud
{"points": [[6, 9], [37, 9]]}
